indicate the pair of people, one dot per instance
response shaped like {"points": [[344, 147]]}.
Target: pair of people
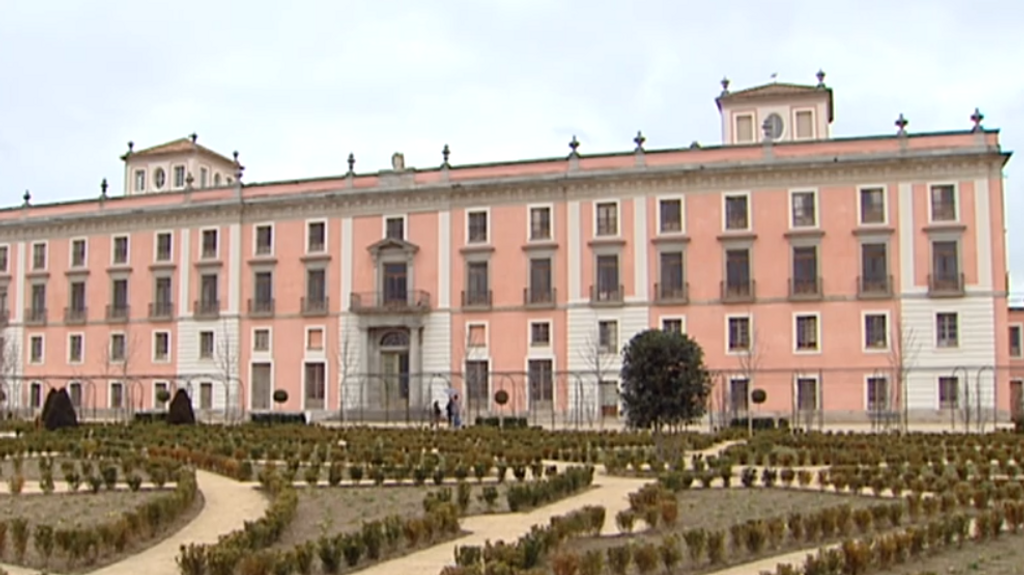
{"points": [[452, 411]]}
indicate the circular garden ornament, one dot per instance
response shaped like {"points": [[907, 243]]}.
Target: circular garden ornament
{"points": [[758, 396], [501, 397], [280, 396]]}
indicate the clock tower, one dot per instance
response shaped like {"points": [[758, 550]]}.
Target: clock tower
{"points": [[779, 111]]}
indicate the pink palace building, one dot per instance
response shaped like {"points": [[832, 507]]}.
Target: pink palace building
{"points": [[852, 279]]}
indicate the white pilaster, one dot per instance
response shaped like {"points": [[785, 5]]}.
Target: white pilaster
{"points": [[184, 272], [573, 263], [983, 233], [20, 287], [905, 229], [234, 268], [640, 273], [444, 259]]}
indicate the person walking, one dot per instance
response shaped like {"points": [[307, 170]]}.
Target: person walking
{"points": [[450, 409], [456, 412]]}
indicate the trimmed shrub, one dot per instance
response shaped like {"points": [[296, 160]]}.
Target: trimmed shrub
{"points": [[58, 412]]}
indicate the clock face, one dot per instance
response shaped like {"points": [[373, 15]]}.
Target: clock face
{"points": [[773, 126]]}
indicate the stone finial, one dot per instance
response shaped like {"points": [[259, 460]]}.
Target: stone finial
{"points": [[398, 161], [977, 117], [131, 147], [193, 136], [901, 125], [445, 153], [821, 78], [239, 168], [189, 180], [725, 86], [574, 145], [351, 163], [639, 141], [103, 188], [28, 198]]}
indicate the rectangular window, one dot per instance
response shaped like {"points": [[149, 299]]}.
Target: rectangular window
{"points": [[78, 253], [162, 295], [737, 272], [943, 203], [208, 291], [77, 299], [315, 384], [394, 228], [476, 382], [316, 240], [76, 347], [4, 258], [540, 374], [204, 177], [38, 302], [608, 336], [120, 250], [75, 393], [878, 394], [118, 347], [478, 284], [540, 223], [1015, 341], [116, 395], [161, 346], [739, 333], [119, 295], [264, 290], [949, 391], [807, 332], [607, 219], [157, 388], [874, 261], [206, 343], [672, 325], [140, 180], [163, 246], [476, 336], [264, 240], [35, 395], [179, 176], [209, 246], [804, 210], [744, 129], [945, 266], [805, 270], [739, 394], [804, 124], [540, 281], [876, 331], [315, 339], [39, 256], [477, 224], [670, 216], [206, 396], [807, 394], [261, 340], [872, 206], [316, 286], [737, 216], [947, 330], [36, 349], [540, 334], [608, 287]]}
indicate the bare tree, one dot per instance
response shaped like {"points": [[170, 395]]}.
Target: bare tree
{"points": [[903, 350], [347, 357], [226, 357], [10, 367], [119, 355], [470, 354], [749, 360], [600, 359]]}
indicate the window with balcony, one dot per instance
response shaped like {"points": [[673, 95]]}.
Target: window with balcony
{"points": [[540, 223], [949, 392], [316, 237], [672, 325], [745, 129], [76, 299], [872, 206], [805, 271], [4, 259], [315, 384], [394, 228], [35, 349], [118, 347], [876, 331], [396, 283], [670, 216], [477, 227], [478, 284], [804, 207], [76, 348], [263, 290], [541, 380], [209, 245], [608, 287], [119, 299], [737, 214], [39, 256], [946, 275], [947, 331], [607, 336], [541, 289], [943, 203], [316, 288], [209, 289], [607, 219], [672, 284], [264, 240], [120, 250], [739, 333], [739, 394], [874, 262], [161, 296], [1015, 341], [179, 176], [737, 274], [206, 344], [140, 180], [78, 253], [164, 246], [37, 303], [807, 332], [878, 393], [807, 394], [161, 346], [261, 339], [540, 334], [804, 124]]}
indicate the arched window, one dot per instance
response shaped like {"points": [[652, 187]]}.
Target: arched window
{"points": [[395, 339]]}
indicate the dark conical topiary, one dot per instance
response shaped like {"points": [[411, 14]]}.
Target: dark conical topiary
{"points": [[58, 411], [180, 411]]}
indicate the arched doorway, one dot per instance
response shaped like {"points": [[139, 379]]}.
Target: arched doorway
{"points": [[394, 369]]}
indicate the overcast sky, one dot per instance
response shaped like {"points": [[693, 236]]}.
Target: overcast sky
{"points": [[295, 86]]}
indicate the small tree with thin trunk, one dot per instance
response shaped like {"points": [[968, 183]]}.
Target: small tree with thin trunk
{"points": [[600, 362], [226, 357], [749, 359], [347, 358], [903, 350], [664, 381], [9, 366]]}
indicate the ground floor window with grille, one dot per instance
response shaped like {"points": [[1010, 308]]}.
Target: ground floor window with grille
{"points": [[116, 395], [206, 395], [315, 384], [878, 394], [949, 392], [807, 393], [35, 395], [75, 392], [476, 384], [542, 383], [609, 391], [739, 394]]}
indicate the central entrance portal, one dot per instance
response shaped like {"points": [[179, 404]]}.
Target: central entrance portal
{"points": [[393, 392]]}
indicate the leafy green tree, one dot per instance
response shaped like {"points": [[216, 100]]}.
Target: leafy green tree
{"points": [[664, 380]]}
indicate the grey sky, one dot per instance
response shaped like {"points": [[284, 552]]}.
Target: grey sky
{"points": [[295, 86]]}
